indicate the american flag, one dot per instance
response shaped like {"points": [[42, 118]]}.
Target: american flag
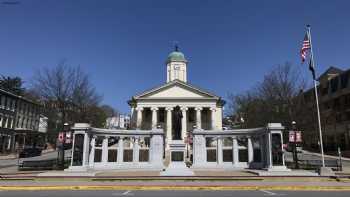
{"points": [[304, 49]]}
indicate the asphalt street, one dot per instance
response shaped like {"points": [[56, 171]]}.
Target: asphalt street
{"points": [[167, 193], [14, 162]]}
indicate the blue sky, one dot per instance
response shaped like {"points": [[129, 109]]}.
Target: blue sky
{"points": [[123, 45]]}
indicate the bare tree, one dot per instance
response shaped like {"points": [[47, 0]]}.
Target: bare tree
{"points": [[66, 92], [110, 111], [275, 99]]}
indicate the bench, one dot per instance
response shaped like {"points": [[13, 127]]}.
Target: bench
{"points": [[37, 164], [332, 163]]}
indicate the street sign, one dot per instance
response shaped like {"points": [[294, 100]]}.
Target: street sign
{"points": [[68, 138], [61, 137], [293, 135], [298, 136]]}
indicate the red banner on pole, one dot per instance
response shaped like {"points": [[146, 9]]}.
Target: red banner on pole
{"points": [[295, 136], [61, 137]]}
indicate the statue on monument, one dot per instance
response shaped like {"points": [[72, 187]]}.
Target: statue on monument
{"points": [[177, 121]]}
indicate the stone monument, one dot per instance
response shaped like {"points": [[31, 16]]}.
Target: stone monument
{"points": [[177, 166]]}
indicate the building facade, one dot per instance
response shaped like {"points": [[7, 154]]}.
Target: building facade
{"points": [[19, 121], [334, 102], [176, 105], [118, 122]]}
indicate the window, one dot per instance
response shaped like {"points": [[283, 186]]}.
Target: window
{"points": [[3, 101], [144, 149], [334, 84], [1, 119], [8, 103], [344, 78], [13, 105], [242, 149], [227, 149], [98, 149], [210, 143], [128, 150], [112, 149]]}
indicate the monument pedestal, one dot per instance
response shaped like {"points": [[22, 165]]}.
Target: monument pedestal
{"points": [[177, 166]]}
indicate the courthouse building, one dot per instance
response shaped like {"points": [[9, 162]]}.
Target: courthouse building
{"points": [[159, 106]]}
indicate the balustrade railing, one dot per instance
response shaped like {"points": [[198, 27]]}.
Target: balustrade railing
{"points": [[115, 149]]}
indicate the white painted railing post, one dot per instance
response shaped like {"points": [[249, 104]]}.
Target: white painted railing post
{"points": [[156, 150], [219, 150], [235, 151], [120, 153], [250, 150], [136, 150], [105, 150], [92, 152]]}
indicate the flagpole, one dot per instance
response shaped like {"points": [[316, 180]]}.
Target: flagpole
{"points": [[316, 95]]}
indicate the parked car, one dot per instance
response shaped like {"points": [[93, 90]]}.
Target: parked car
{"points": [[30, 152]]}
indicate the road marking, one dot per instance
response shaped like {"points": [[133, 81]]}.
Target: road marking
{"points": [[126, 193], [268, 193]]}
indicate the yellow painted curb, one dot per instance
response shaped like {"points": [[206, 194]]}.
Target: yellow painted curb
{"points": [[120, 187]]}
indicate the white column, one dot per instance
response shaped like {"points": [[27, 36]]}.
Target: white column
{"points": [[213, 122], [198, 117], [283, 161], [269, 151], [120, 150], [9, 143], [6, 122], [169, 136], [136, 151], [11, 125], [139, 117], [250, 150], [154, 117], [105, 150], [132, 117], [219, 150], [184, 122], [86, 149], [92, 152], [235, 151], [72, 152]]}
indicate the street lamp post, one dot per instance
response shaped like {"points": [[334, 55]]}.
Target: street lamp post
{"points": [[295, 152]]}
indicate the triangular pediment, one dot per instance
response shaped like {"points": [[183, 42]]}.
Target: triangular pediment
{"points": [[176, 89]]}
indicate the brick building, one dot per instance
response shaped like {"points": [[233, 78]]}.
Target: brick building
{"points": [[19, 122], [334, 98]]}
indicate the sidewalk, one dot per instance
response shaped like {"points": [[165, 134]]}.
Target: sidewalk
{"points": [[328, 156], [177, 185]]}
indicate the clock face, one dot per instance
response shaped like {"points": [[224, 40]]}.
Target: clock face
{"points": [[177, 67]]}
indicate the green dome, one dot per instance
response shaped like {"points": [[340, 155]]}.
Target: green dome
{"points": [[176, 56]]}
